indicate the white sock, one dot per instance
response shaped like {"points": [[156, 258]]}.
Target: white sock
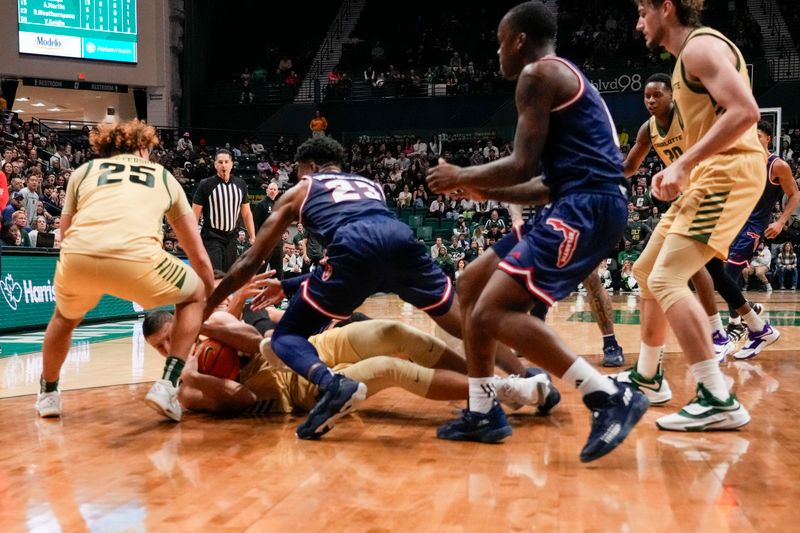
{"points": [[716, 324], [708, 373], [735, 320], [753, 321], [586, 378], [649, 359], [482, 394]]}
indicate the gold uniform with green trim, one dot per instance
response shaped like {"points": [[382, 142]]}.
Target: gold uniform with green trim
{"points": [[668, 144], [723, 189], [113, 244]]}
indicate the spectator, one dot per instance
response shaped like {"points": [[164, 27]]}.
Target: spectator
{"points": [[629, 252], [185, 143], [285, 66], [40, 226], [787, 264], [654, 218], [404, 198], [759, 265], [292, 262], [460, 267], [605, 275], [169, 246], [14, 205], [495, 221], [242, 244], [490, 151], [437, 207], [642, 202], [477, 236], [471, 254], [460, 229], [443, 261], [318, 125], [20, 220], [637, 232], [11, 235], [30, 196], [420, 197], [627, 278], [60, 159], [435, 248], [455, 250]]}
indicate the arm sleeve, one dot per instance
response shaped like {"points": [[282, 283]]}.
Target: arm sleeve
{"points": [[179, 204]]}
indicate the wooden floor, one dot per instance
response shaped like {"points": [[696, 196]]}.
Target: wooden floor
{"points": [[110, 464]]}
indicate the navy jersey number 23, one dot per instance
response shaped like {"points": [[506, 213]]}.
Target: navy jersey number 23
{"points": [[334, 200]]}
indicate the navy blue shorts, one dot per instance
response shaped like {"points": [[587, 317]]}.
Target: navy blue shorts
{"points": [[565, 243], [376, 255], [745, 244]]}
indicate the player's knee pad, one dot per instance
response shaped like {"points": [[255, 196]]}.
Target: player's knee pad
{"points": [[668, 287]]}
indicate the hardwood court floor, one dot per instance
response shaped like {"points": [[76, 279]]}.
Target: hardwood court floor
{"points": [[110, 464]]}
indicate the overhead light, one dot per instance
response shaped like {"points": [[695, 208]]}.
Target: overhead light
{"points": [[23, 99], [54, 109], [38, 104]]}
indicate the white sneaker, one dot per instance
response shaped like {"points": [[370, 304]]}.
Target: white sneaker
{"points": [[516, 391], [706, 412], [723, 345], [163, 398], [48, 404], [655, 389], [757, 341]]}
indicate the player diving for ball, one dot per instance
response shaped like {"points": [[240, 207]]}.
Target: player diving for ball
{"points": [[379, 353]]}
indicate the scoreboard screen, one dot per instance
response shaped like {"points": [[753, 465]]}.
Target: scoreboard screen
{"points": [[105, 30]]}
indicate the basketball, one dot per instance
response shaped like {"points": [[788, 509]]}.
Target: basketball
{"points": [[217, 359]]}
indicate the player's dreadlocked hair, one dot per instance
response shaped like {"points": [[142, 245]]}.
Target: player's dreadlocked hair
{"points": [[125, 138], [320, 150], [689, 11]]}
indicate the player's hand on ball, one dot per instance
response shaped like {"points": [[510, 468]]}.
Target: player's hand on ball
{"points": [[271, 294], [443, 178]]}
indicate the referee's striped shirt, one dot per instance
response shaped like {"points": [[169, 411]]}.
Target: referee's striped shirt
{"points": [[222, 203]]}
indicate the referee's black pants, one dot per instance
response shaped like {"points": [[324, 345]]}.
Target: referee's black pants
{"points": [[221, 251]]}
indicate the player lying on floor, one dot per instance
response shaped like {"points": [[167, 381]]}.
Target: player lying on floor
{"points": [[379, 353]]}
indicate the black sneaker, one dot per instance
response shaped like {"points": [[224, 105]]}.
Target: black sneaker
{"points": [[613, 417], [735, 331], [341, 396]]}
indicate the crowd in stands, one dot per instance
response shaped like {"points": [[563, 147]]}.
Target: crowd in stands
{"points": [[37, 167]]}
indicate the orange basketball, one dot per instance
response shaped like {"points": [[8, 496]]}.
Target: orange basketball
{"points": [[217, 359]]}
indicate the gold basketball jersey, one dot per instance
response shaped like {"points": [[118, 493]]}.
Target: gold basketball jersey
{"points": [[697, 110], [118, 205], [667, 144]]}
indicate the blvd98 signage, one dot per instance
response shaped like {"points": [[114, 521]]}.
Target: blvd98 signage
{"points": [[28, 298]]}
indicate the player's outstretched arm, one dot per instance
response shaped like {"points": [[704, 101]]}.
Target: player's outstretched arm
{"points": [[535, 95], [285, 211], [533, 192], [784, 173], [638, 151]]}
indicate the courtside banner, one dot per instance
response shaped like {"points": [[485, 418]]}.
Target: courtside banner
{"points": [[28, 295]]}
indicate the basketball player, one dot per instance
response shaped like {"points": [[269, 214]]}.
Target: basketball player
{"points": [[111, 222], [662, 132], [721, 177], [563, 127], [378, 353], [368, 250], [779, 182]]}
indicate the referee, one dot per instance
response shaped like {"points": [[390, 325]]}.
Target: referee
{"points": [[220, 200]]}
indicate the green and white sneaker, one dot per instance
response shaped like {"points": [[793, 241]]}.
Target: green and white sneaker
{"points": [[706, 412], [655, 389]]}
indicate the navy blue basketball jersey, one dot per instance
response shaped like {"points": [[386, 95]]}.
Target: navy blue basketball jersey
{"points": [[772, 193], [334, 200], [582, 149]]}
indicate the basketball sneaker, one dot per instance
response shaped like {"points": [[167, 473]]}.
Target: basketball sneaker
{"points": [[706, 412], [757, 341], [339, 398], [613, 417], [553, 396], [490, 427], [163, 398], [656, 389], [48, 404], [758, 308], [735, 332], [723, 345], [613, 356]]}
